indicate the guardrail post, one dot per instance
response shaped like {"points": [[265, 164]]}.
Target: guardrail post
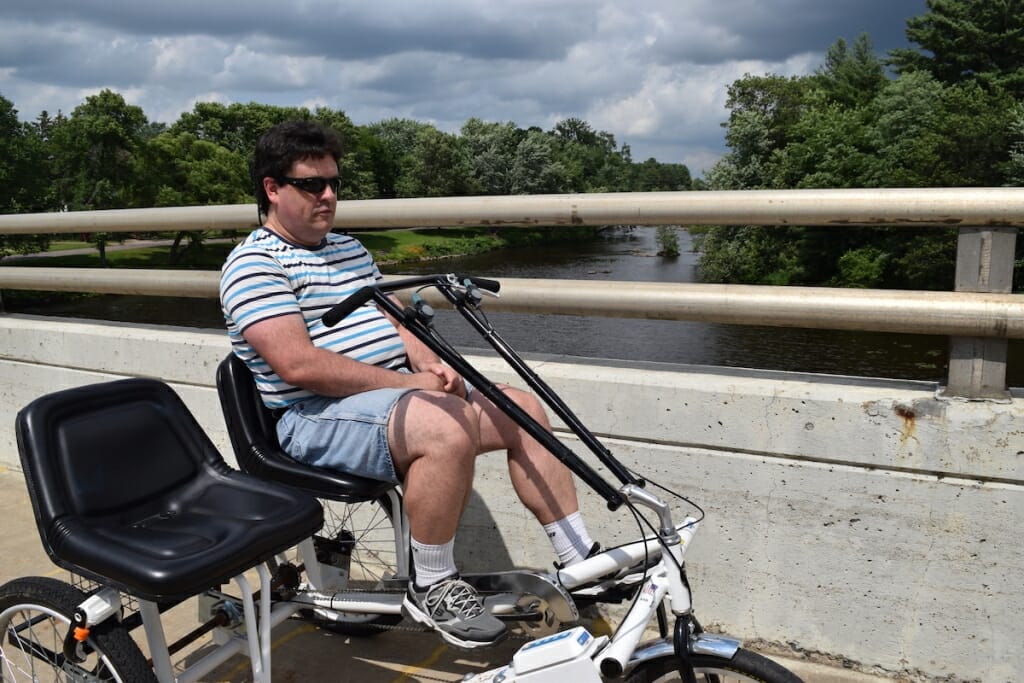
{"points": [[984, 263]]}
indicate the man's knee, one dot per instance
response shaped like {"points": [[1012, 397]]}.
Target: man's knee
{"points": [[439, 424], [529, 403]]}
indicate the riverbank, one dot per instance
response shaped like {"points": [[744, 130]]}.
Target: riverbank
{"points": [[388, 247]]}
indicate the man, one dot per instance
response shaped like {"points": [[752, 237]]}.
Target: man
{"points": [[365, 396]]}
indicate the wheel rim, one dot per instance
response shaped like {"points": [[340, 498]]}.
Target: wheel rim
{"points": [[31, 649], [367, 530], [369, 545]]}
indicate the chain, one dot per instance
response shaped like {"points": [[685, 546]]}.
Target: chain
{"points": [[402, 626]]}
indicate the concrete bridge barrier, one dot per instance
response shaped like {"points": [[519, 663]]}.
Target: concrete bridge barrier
{"points": [[865, 523]]}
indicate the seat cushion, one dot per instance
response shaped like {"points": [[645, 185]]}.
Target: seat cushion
{"points": [[128, 490], [220, 525]]}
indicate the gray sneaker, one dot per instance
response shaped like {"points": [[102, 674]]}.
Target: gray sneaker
{"points": [[453, 608]]}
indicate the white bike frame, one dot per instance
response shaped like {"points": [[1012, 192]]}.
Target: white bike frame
{"points": [[569, 655]]}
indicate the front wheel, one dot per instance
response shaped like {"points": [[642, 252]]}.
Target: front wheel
{"points": [[35, 614], [744, 666]]}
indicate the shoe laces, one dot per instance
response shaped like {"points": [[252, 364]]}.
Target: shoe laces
{"points": [[456, 596]]}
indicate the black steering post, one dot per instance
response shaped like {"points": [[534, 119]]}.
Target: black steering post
{"points": [[379, 295]]}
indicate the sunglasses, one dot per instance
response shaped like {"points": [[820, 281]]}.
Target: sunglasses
{"points": [[313, 184]]}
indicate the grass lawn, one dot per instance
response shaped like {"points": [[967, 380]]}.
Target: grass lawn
{"points": [[210, 257], [64, 245], [387, 246]]}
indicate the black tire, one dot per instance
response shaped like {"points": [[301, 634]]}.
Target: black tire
{"points": [[374, 562], [35, 613], [744, 666]]}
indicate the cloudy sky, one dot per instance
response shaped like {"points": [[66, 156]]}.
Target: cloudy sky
{"points": [[651, 72]]}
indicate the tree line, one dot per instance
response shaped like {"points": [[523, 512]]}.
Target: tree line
{"points": [[946, 112], [106, 154]]}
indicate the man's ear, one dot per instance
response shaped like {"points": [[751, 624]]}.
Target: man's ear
{"points": [[272, 188]]}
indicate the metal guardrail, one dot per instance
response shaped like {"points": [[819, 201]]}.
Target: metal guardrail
{"points": [[940, 207], [997, 316], [980, 316]]}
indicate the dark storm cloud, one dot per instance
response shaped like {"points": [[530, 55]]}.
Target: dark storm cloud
{"points": [[73, 57], [328, 27], [652, 72], [748, 29]]}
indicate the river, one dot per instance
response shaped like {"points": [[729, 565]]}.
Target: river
{"points": [[629, 255]]}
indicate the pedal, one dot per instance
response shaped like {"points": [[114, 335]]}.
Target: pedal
{"points": [[509, 607], [531, 598]]}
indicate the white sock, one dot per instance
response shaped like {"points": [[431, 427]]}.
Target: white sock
{"points": [[431, 563], [569, 538]]}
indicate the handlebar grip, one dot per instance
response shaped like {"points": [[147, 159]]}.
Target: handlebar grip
{"points": [[482, 283], [342, 309]]}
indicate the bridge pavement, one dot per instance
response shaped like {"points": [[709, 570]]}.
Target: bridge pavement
{"points": [[301, 652]]}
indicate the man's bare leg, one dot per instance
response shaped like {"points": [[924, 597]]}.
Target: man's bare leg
{"points": [[433, 441], [543, 483]]}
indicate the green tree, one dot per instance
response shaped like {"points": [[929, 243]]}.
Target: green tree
{"points": [[831, 146], [95, 153], [23, 176], [438, 167], [851, 77], [655, 176], [192, 172], [535, 169], [96, 157], [591, 159], [667, 238], [237, 127], [393, 151], [763, 111], [354, 166], [505, 159], [968, 40], [1015, 165], [850, 126], [491, 148]]}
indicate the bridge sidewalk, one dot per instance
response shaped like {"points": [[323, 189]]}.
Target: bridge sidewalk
{"points": [[301, 652]]}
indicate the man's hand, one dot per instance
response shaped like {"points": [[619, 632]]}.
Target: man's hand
{"points": [[451, 380]]}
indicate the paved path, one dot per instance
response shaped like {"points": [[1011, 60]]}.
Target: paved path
{"points": [[112, 246]]}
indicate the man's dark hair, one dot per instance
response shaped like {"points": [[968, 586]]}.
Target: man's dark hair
{"points": [[282, 146]]}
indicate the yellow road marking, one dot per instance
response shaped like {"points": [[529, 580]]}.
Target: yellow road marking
{"points": [[247, 666], [415, 668]]}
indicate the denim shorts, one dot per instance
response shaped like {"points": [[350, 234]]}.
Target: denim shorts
{"points": [[347, 434]]}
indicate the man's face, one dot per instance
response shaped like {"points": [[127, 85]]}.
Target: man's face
{"points": [[298, 214]]}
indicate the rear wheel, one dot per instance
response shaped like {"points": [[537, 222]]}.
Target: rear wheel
{"points": [[745, 667], [363, 538], [35, 614]]}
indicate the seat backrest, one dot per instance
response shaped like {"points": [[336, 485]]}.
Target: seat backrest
{"points": [[252, 428], [102, 449]]}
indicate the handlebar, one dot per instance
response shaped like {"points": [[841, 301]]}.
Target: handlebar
{"points": [[362, 295]]}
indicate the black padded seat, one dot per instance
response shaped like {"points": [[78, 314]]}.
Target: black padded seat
{"points": [[129, 491], [253, 431]]}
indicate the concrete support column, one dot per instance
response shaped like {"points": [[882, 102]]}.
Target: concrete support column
{"points": [[984, 263]]}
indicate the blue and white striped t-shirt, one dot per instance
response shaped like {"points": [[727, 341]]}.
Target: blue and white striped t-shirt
{"points": [[266, 276]]}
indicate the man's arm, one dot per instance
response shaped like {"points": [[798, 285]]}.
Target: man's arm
{"points": [[422, 359], [285, 344]]}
